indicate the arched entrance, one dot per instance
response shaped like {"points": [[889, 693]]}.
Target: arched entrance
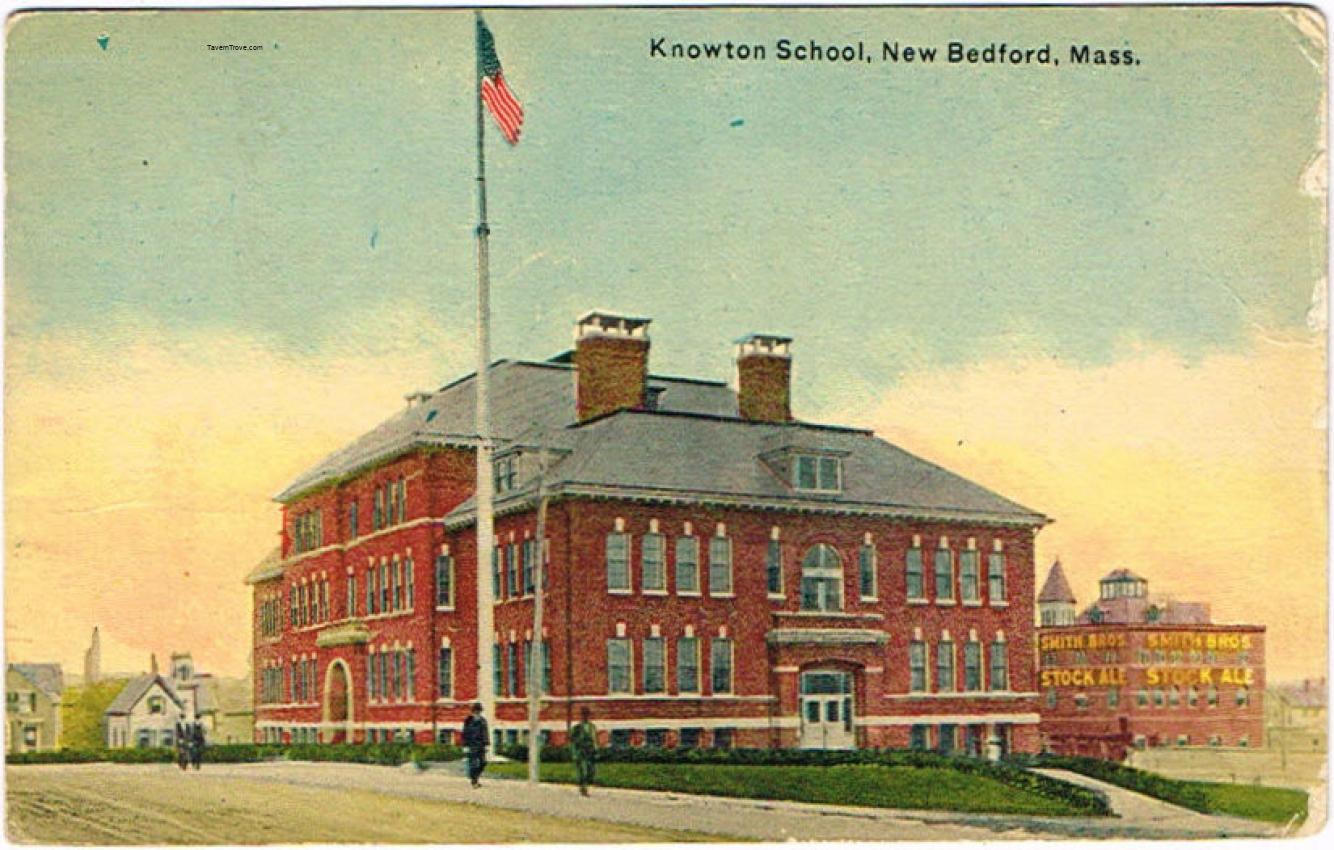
{"points": [[337, 703], [827, 710]]}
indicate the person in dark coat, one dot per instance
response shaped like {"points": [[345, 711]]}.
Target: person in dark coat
{"points": [[476, 738], [182, 741], [197, 745], [584, 749]]}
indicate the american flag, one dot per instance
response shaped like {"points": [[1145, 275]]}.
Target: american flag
{"points": [[495, 94]]}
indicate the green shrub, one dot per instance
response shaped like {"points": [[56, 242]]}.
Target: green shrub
{"points": [[1083, 799], [385, 754]]}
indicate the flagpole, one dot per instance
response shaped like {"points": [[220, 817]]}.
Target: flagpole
{"points": [[485, 531]]}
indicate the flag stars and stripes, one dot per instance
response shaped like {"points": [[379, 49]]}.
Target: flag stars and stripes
{"points": [[500, 101]]}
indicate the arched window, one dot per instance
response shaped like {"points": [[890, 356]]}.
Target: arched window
{"points": [[821, 579]]}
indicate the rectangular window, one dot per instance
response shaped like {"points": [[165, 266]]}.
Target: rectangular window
{"points": [[972, 666], [1113, 698], [512, 553], [944, 574], [495, 573], [810, 472], [720, 658], [373, 675], [945, 666], [409, 674], [917, 666], [410, 582], [444, 581], [720, 566], [969, 581], [377, 516], [529, 563], [512, 669], [652, 574], [916, 585], [920, 737], [372, 595], [655, 666], [773, 568], [687, 565], [445, 672], [866, 571], [996, 576], [385, 598], [687, 665], [352, 596], [497, 663], [618, 666], [618, 562], [399, 588], [352, 520], [546, 666], [1000, 668]]}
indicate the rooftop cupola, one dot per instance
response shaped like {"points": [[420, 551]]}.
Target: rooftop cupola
{"points": [[610, 363], [764, 377]]}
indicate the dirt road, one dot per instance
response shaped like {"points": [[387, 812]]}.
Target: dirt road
{"points": [[156, 804]]}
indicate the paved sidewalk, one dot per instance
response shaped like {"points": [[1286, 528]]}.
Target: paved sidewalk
{"points": [[752, 819], [1146, 811]]}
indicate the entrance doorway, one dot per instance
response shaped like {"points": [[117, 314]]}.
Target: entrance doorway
{"points": [[827, 710], [337, 707]]}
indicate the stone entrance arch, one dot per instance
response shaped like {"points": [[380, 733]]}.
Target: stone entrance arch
{"points": [[338, 705]]}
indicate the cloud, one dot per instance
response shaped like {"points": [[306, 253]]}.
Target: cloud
{"points": [[1207, 476], [140, 470]]}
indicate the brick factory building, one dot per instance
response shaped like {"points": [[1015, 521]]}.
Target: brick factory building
{"points": [[1134, 670], [719, 573]]}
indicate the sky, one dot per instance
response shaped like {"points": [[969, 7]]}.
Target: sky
{"points": [[1098, 291]]}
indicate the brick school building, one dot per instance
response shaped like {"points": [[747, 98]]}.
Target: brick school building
{"points": [[719, 573], [1133, 670]]}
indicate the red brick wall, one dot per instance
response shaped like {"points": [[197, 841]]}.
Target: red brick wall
{"points": [[764, 385], [610, 374], [1229, 657]]}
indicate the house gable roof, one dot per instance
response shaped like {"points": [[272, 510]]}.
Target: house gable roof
{"points": [[47, 678], [136, 689]]}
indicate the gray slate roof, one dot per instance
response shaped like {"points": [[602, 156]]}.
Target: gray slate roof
{"points": [[1056, 588], [526, 397], [673, 456], [134, 691], [48, 678]]}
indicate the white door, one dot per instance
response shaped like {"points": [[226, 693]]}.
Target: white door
{"points": [[827, 710]]}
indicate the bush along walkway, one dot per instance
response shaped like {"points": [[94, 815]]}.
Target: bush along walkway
{"points": [[1285, 807], [876, 778], [385, 754]]}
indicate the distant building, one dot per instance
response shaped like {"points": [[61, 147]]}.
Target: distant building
{"points": [[32, 706], [1297, 714], [92, 660], [146, 712], [1136, 670]]}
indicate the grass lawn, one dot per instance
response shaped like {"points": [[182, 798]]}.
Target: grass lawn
{"points": [[877, 786], [1257, 802]]}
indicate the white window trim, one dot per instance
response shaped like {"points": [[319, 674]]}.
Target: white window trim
{"points": [[630, 663], [677, 682], [731, 665]]}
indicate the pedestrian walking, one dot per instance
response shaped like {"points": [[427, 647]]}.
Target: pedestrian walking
{"points": [[476, 738], [584, 749], [197, 743], [182, 742]]}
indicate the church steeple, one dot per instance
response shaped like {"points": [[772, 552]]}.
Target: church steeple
{"points": [[92, 660]]}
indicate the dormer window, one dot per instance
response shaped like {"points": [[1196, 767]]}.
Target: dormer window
{"points": [[817, 472], [505, 476]]}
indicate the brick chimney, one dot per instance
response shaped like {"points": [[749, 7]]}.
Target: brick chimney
{"points": [[610, 363], [764, 378]]}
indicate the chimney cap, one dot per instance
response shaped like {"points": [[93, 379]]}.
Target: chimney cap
{"points": [[611, 323], [774, 345]]}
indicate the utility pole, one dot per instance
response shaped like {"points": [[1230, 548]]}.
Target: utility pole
{"points": [[537, 646]]}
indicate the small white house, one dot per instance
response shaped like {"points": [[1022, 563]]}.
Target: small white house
{"points": [[148, 709]]}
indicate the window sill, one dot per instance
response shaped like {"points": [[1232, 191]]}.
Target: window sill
{"points": [[728, 595], [694, 594], [444, 609], [777, 597], [972, 603], [946, 603], [611, 592], [919, 601], [999, 603], [648, 592], [869, 599]]}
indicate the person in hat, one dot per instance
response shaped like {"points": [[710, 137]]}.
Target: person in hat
{"points": [[584, 749], [476, 738]]}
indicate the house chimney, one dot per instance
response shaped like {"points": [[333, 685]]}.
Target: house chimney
{"points": [[610, 363], [764, 378]]}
